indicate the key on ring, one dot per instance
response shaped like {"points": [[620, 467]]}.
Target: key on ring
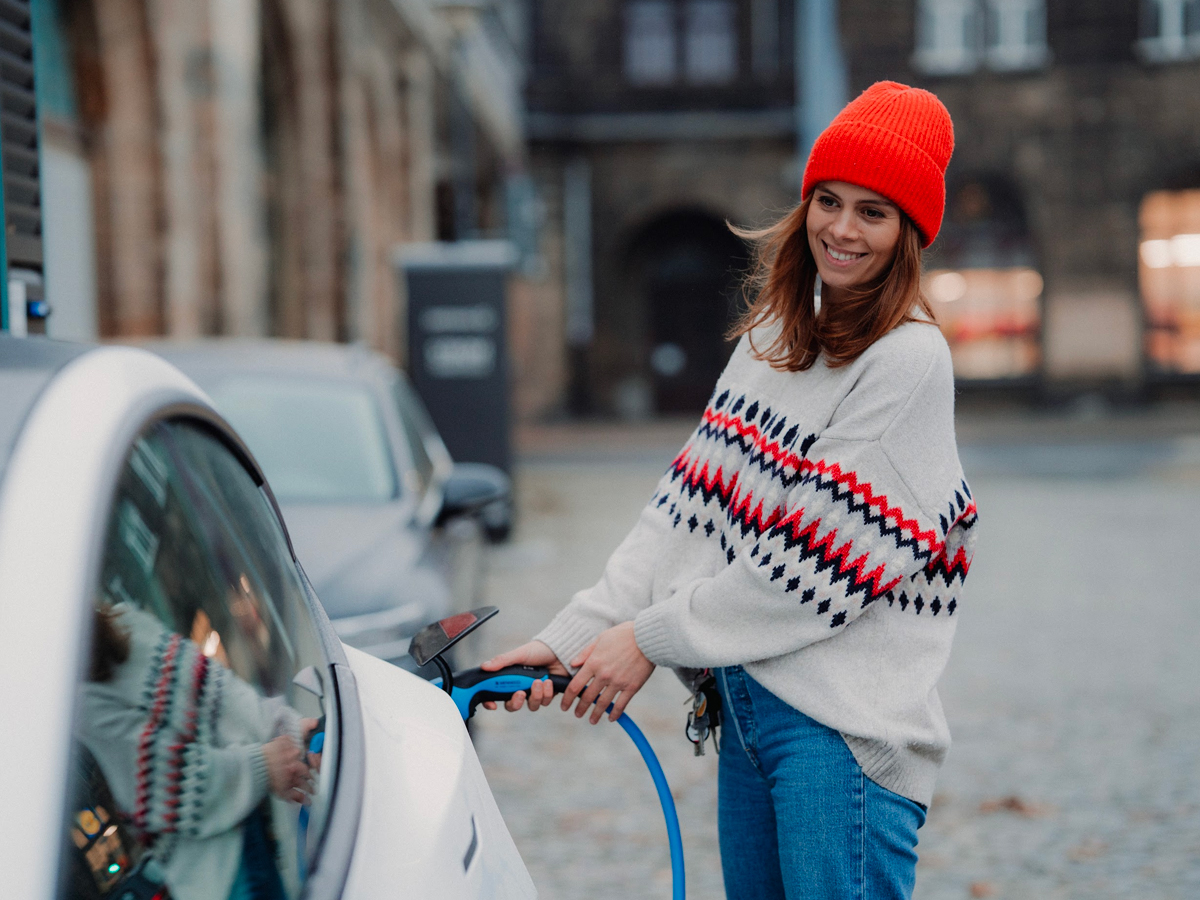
{"points": [[698, 725], [705, 717]]}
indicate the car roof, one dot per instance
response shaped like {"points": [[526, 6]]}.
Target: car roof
{"points": [[27, 365], [213, 356], [209, 360]]}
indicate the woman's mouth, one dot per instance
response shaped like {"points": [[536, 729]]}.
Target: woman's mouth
{"points": [[841, 256]]}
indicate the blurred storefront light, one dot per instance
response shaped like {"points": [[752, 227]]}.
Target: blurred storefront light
{"points": [[1181, 250], [946, 287], [991, 319], [1169, 278]]}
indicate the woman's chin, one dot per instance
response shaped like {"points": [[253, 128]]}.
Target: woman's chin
{"points": [[837, 279]]}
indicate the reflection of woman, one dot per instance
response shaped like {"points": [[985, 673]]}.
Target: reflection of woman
{"points": [[809, 543], [189, 752]]}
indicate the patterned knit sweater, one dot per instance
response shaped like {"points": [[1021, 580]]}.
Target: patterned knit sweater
{"points": [[816, 529], [179, 739]]}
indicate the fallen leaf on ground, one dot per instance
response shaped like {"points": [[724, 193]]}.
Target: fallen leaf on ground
{"points": [[1091, 848], [1015, 804]]}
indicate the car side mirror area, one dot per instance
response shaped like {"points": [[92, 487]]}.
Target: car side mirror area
{"points": [[471, 487], [309, 678]]}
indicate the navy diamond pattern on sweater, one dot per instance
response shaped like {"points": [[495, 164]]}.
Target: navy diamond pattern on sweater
{"points": [[815, 526]]}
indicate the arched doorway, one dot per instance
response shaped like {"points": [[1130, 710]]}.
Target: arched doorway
{"points": [[685, 269]]}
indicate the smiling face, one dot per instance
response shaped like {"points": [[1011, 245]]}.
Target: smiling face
{"points": [[852, 233]]}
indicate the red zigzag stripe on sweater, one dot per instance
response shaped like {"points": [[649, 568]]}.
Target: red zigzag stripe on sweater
{"points": [[737, 504], [739, 510], [840, 556], [961, 560], [199, 674], [144, 766], [848, 480]]}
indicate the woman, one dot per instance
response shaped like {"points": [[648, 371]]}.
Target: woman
{"points": [[190, 752], [810, 541]]}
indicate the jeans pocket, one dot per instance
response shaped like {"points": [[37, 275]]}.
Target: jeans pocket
{"points": [[737, 710]]}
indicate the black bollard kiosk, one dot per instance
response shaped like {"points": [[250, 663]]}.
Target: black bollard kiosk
{"points": [[457, 345]]}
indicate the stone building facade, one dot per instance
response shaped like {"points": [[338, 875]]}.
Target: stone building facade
{"points": [[653, 124], [1075, 122], [1070, 258], [249, 168]]}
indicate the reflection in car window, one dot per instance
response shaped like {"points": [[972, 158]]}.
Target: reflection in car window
{"points": [[190, 737], [317, 440]]}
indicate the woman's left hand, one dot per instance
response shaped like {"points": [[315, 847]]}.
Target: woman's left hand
{"points": [[612, 669]]}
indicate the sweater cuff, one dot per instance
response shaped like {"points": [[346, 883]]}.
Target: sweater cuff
{"points": [[287, 721], [655, 634], [259, 777], [567, 635]]}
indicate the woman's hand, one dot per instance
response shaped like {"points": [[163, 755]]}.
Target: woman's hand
{"points": [[287, 773], [308, 727], [535, 653], [612, 669]]}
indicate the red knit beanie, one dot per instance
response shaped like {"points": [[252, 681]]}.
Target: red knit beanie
{"points": [[895, 140]]}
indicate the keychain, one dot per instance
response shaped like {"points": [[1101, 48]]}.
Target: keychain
{"points": [[705, 717]]}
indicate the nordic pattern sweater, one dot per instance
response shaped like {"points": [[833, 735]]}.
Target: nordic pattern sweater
{"points": [[179, 739], [816, 529]]}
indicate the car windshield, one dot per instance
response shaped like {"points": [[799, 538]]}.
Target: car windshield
{"points": [[318, 441]]}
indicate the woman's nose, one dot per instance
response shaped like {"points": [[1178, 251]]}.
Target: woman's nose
{"points": [[844, 227]]}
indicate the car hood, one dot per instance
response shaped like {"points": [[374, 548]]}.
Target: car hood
{"points": [[344, 547]]}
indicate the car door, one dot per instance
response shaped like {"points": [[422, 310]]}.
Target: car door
{"points": [[209, 663]]}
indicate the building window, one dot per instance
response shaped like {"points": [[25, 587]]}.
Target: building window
{"points": [[1170, 30], [650, 56], [1169, 276], [764, 38], [710, 42], [667, 41], [959, 36], [947, 36], [1016, 34]]}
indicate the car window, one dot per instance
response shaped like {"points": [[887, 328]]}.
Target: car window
{"points": [[422, 464], [317, 440], [191, 731], [425, 444]]}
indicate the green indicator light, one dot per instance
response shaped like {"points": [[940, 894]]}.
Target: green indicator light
{"points": [[114, 869]]}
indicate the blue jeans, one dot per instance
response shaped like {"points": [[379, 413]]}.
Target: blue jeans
{"points": [[797, 816], [257, 876]]}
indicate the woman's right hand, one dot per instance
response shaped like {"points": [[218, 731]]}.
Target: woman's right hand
{"points": [[535, 653], [287, 773]]}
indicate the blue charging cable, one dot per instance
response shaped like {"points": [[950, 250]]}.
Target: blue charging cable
{"points": [[674, 838], [472, 687]]}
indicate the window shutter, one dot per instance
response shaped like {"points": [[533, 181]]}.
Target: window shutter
{"points": [[19, 137]]}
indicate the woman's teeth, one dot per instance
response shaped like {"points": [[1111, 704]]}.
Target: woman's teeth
{"points": [[842, 257]]}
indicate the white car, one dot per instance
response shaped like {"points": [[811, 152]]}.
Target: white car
{"points": [[124, 496]]}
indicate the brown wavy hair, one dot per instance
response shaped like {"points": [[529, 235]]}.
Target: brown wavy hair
{"points": [[779, 289], [110, 644]]}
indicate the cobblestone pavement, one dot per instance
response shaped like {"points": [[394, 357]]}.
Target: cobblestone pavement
{"points": [[1073, 691]]}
